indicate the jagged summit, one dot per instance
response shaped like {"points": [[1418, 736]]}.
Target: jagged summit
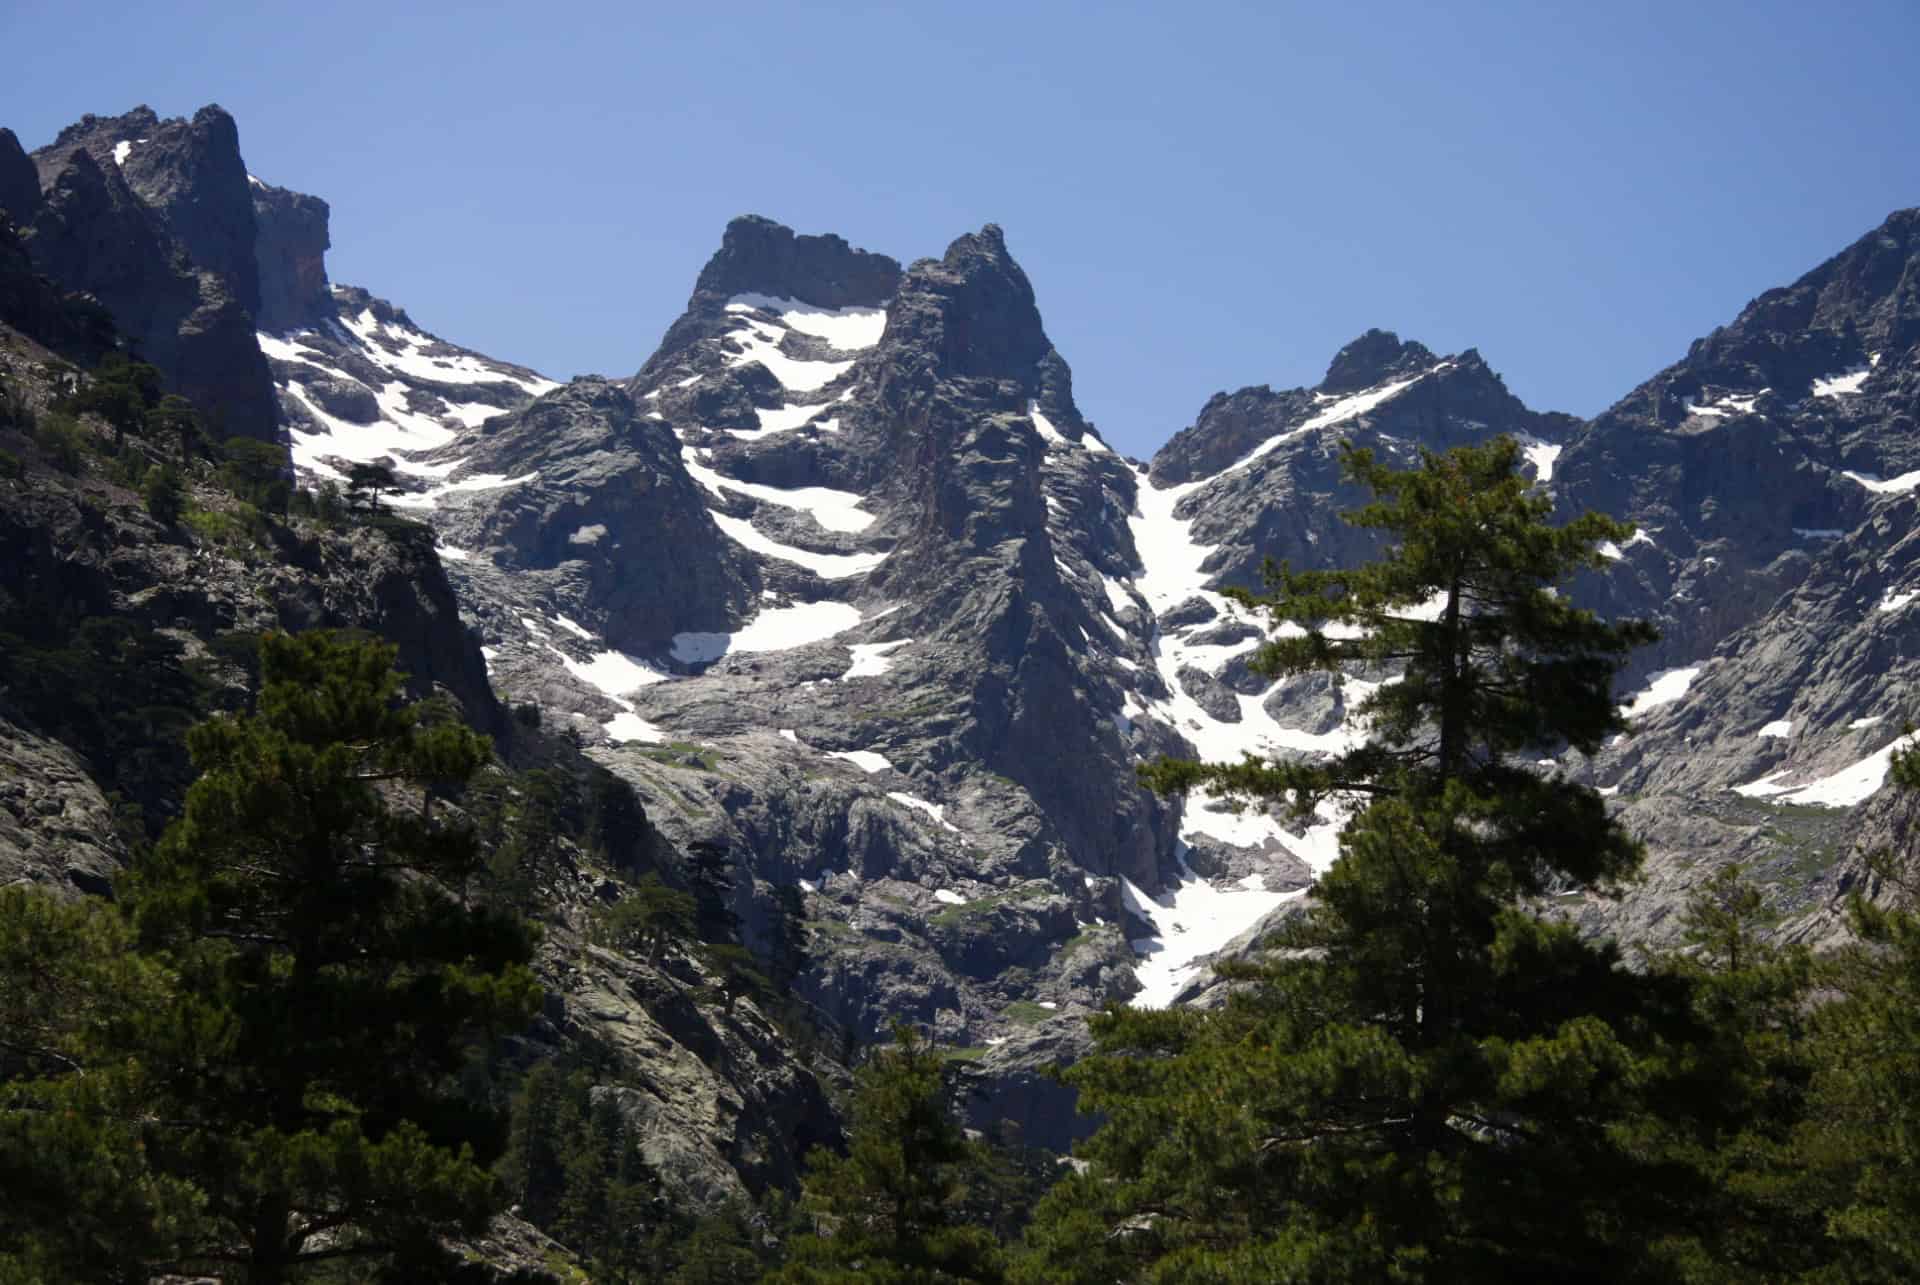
{"points": [[1372, 359], [758, 255]]}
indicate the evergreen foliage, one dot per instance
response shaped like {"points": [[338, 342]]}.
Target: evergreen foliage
{"points": [[1426, 1082], [888, 1211], [330, 982], [1859, 1145]]}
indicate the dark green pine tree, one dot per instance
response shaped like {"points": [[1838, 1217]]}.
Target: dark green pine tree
{"points": [[332, 979], [1425, 1081], [1857, 1154], [78, 1199], [888, 1211]]}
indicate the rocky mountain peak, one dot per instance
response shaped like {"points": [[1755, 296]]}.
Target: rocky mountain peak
{"points": [[763, 262], [973, 311], [1372, 359], [759, 256], [189, 173]]}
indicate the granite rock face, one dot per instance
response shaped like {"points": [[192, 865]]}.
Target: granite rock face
{"points": [[289, 250], [154, 219]]}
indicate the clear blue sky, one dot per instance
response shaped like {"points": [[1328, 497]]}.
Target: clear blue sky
{"points": [[1205, 195]]}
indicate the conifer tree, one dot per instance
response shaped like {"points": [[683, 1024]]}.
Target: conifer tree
{"points": [[1425, 1082], [887, 1212], [1857, 1153], [331, 981], [78, 1199]]}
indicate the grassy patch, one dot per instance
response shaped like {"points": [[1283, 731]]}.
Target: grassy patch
{"points": [[1026, 1012], [684, 754], [968, 1053]]}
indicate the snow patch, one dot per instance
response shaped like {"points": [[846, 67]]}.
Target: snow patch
{"points": [[1192, 921], [629, 726], [775, 629], [850, 329], [1843, 385], [828, 566], [1543, 456], [866, 760], [833, 510], [948, 897], [870, 660], [760, 344], [1889, 486], [1663, 688], [588, 534], [935, 810], [1894, 601], [1780, 727], [450, 554]]}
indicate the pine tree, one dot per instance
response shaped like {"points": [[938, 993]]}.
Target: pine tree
{"points": [[78, 1199], [1426, 1081], [1735, 1097], [1857, 1154], [306, 901], [887, 1212]]}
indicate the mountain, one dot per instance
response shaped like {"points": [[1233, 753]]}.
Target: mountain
{"points": [[842, 581]]}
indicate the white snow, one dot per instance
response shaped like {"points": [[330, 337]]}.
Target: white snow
{"points": [[588, 534], [763, 345], [935, 810], [1894, 601], [775, 629], [1818, 532], [478, 482], [285, 349], [1117, 596], [450, 554], [413, 359], [788, 734], [866, 760], [1842, 385], [473, 414], [1859, 723], [1342, 409], [357, 442], [1610, 551], [571, 627], [534, 627], [1779, 727], [828, 566], [613, 672], [1728, 404], [1194, 920], [1543, 456], [120, 151], [1663, 688], [870, 660], [777, 420], [1052, 435], [629, 726], [1890, 486], [834, 510], [1764, 787], [1854, 784], [845, 328], [948, 897]]}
